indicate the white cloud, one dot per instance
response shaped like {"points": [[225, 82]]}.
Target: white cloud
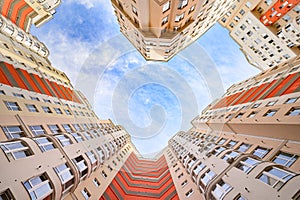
{"points": [[66, 54], [106, 5]]}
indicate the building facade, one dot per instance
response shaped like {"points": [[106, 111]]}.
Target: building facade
{"points": [[246, 144], [267, 32], [159, 29]]}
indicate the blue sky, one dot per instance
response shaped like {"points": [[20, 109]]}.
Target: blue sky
{"points": [[152, 100]]}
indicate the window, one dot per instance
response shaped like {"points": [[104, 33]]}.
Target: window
{"points": [[85, 126], [232, 143], [182, 4], [54, 129], [222, 141], [256, 105], [199, 168], [104, 174], [192, 9], [15, 150], [96, 182], [34, 98], [87, 135], [77, 137], [65, 175], [12, 106], [68, 112], [37, 130], [252, 114], [44, 143], [244, 147], [77, 127], [179, 17], [39, 187], [230, 156], [248, 4], [85, 193], [243, 27], [271, 103], [58, 111], [92, 158], [164, 20], [286, 18], [270, 113], [6, 195], [247, 164], [275, 177], [31, 108], [261, 152], [101, 154], [296, 196], [166, 6], [47, 100], [64, 140], [81, 166], [184, 183], [206, 178], [46, 109], [57, 102], [268, 2], [67, 128], [13, 131], [239, 197], [220, 189], [189, 193], [293, 112], [285, 159], [239, 115], [218, 150], [21, 96], [180, 175], [134, 10]]}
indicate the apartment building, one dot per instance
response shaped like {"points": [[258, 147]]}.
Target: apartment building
{"points": [[267, 32], [159, 29], [24, 13], [246, 144]]}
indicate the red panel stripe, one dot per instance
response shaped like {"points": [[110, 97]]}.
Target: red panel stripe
{"points": [[292, 87], [3, 78], [235, 98], [5, 7], [278, 10], [264, 90], [281, 85], [245, 95], [68, 92], [255, 93], [54, 89], [40, 82], [60, 91], [74, 96], [63, 89], [16, 9], [16, 76], [23, 17], [30, 81]]}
